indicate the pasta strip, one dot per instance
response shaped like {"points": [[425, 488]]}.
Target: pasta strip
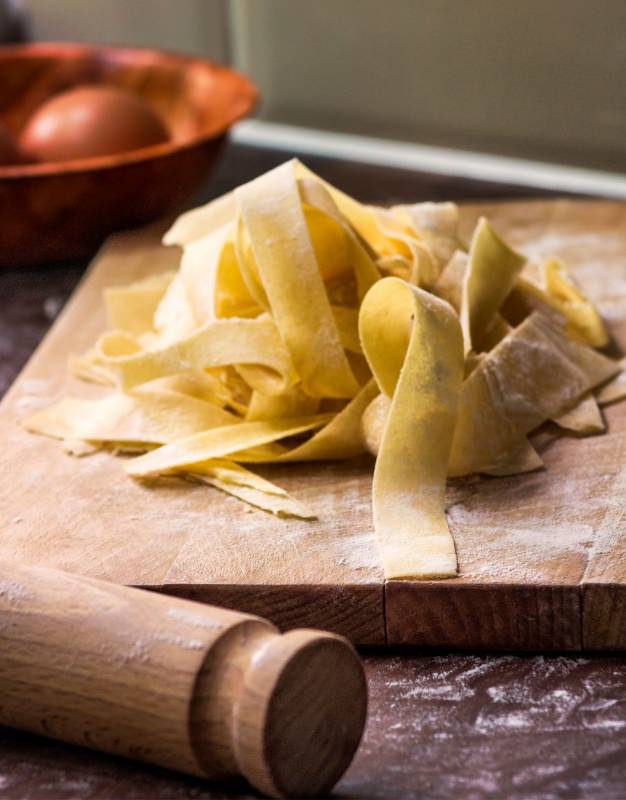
{"points": [[140, 417], [523, 458], [238, 481], [220, 442], [210, 274], [342, 437], [201, 221], [131, 308], [273, 216], [492, 272], [437, 224], [584, 322], [220, 343], [359, 256], [584, 418], [535, 374], [414, 346], [291, 403], [615, 389]]}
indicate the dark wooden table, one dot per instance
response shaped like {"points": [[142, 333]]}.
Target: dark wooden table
{"points": [[453, 726]]}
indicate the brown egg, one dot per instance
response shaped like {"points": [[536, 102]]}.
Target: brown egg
{"points": [[91, 121], [9, 151]]}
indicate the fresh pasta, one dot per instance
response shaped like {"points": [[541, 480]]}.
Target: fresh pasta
{"points": [[303, 325]]}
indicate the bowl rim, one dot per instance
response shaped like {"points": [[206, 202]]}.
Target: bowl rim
{"points": [[245, 92]]}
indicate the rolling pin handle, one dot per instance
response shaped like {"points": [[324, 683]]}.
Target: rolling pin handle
{"points": [[306, 696], [192, 687], [285, 711]]}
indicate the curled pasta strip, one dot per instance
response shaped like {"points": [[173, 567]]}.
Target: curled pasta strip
{"points": [[414, 346]]}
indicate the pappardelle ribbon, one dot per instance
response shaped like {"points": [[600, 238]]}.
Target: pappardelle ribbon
{"points": [[414, 345]]}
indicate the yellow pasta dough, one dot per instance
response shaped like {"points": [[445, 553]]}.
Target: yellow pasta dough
{"points": [[303, 325], [491, 273], [414, 345], [271, 210]]}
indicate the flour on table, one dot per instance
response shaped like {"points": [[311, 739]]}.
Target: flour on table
{"points": [[358, 551]]}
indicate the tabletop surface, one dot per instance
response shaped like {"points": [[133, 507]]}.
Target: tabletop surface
{"points": [[440, 726]]}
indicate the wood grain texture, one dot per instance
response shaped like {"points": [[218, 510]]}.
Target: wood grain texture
{"points": [[484, 617], [440, 727], [105, 666], [188, 686], [604, 616], [63, 210], [350, 610], [526, 544]]}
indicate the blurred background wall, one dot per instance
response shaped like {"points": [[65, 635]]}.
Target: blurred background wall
{"points": [[542, 79], [190, 26]]}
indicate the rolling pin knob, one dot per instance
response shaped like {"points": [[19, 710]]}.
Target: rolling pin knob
{"points": [[306, 693], [188, 686]]}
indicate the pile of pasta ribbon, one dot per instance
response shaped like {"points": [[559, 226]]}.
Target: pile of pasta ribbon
{"points": [[304, 326]]}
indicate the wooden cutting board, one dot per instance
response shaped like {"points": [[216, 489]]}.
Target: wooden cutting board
{"points": [[542, 556]]}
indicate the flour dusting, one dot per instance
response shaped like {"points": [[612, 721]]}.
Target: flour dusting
{"points": [[485, 726], [193, 618], [29, 402], [36, 386], [358, 551], [14, 592]]}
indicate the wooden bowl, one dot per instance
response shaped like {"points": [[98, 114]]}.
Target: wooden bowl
{"points": [[63, 210]]}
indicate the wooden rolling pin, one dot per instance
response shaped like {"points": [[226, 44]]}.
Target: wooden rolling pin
{"points": [[188, 686]]}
